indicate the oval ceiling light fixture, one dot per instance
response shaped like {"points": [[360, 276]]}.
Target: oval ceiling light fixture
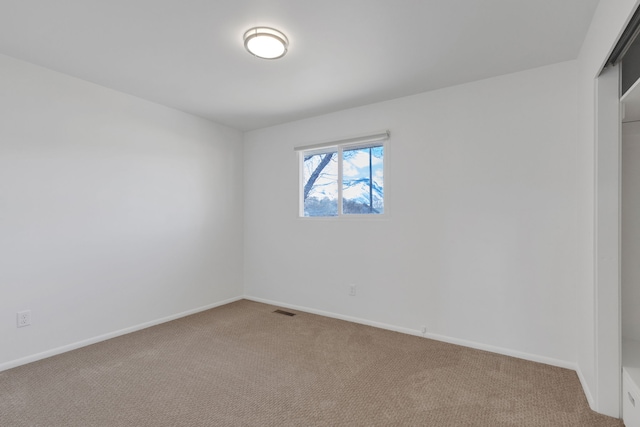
{"points": [[266, 43]]}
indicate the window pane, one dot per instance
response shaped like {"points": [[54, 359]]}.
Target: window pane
{"points": [[363, 180], [320, 177]]}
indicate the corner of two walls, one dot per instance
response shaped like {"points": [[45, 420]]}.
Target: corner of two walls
{"points": [[115, 213]]}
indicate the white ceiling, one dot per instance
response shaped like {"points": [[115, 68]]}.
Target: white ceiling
{"points": [[189, 54]]}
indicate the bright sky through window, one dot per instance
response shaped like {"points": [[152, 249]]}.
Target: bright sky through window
{"points": [[343, 181]]}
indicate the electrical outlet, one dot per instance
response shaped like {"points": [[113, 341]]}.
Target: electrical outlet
{"points": [[352, 290], [24, 318]]}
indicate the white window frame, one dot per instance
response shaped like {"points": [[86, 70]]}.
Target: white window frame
{"points": [[375, 139]]}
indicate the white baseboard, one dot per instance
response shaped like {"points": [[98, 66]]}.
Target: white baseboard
{"points": [[104, 337], [505, 351], [471, 344], [585, 388], [336, 316]]}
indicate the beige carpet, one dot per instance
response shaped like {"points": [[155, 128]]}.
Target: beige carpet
{"points": [[243, 365]]}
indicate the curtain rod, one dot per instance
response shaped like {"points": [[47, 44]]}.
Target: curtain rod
{"points": [[369, 137]]}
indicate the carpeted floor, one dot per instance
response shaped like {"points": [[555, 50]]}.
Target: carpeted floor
{"points": [[243, 365]]}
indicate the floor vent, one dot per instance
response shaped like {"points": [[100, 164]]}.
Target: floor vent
{"points": [[286, 313]]}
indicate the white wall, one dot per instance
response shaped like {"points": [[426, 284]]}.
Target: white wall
{"points": [[481, 240], [114, 211], [631, 231]]}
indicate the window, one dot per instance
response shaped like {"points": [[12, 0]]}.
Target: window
{"points": [[346, 178]]}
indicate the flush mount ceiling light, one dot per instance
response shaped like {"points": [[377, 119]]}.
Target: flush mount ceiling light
{"points": [[266, 43]]}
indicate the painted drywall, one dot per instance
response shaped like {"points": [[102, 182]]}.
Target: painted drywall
{"points": [[479, 244], [114, 211], [597, 361], [630, 231]]}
